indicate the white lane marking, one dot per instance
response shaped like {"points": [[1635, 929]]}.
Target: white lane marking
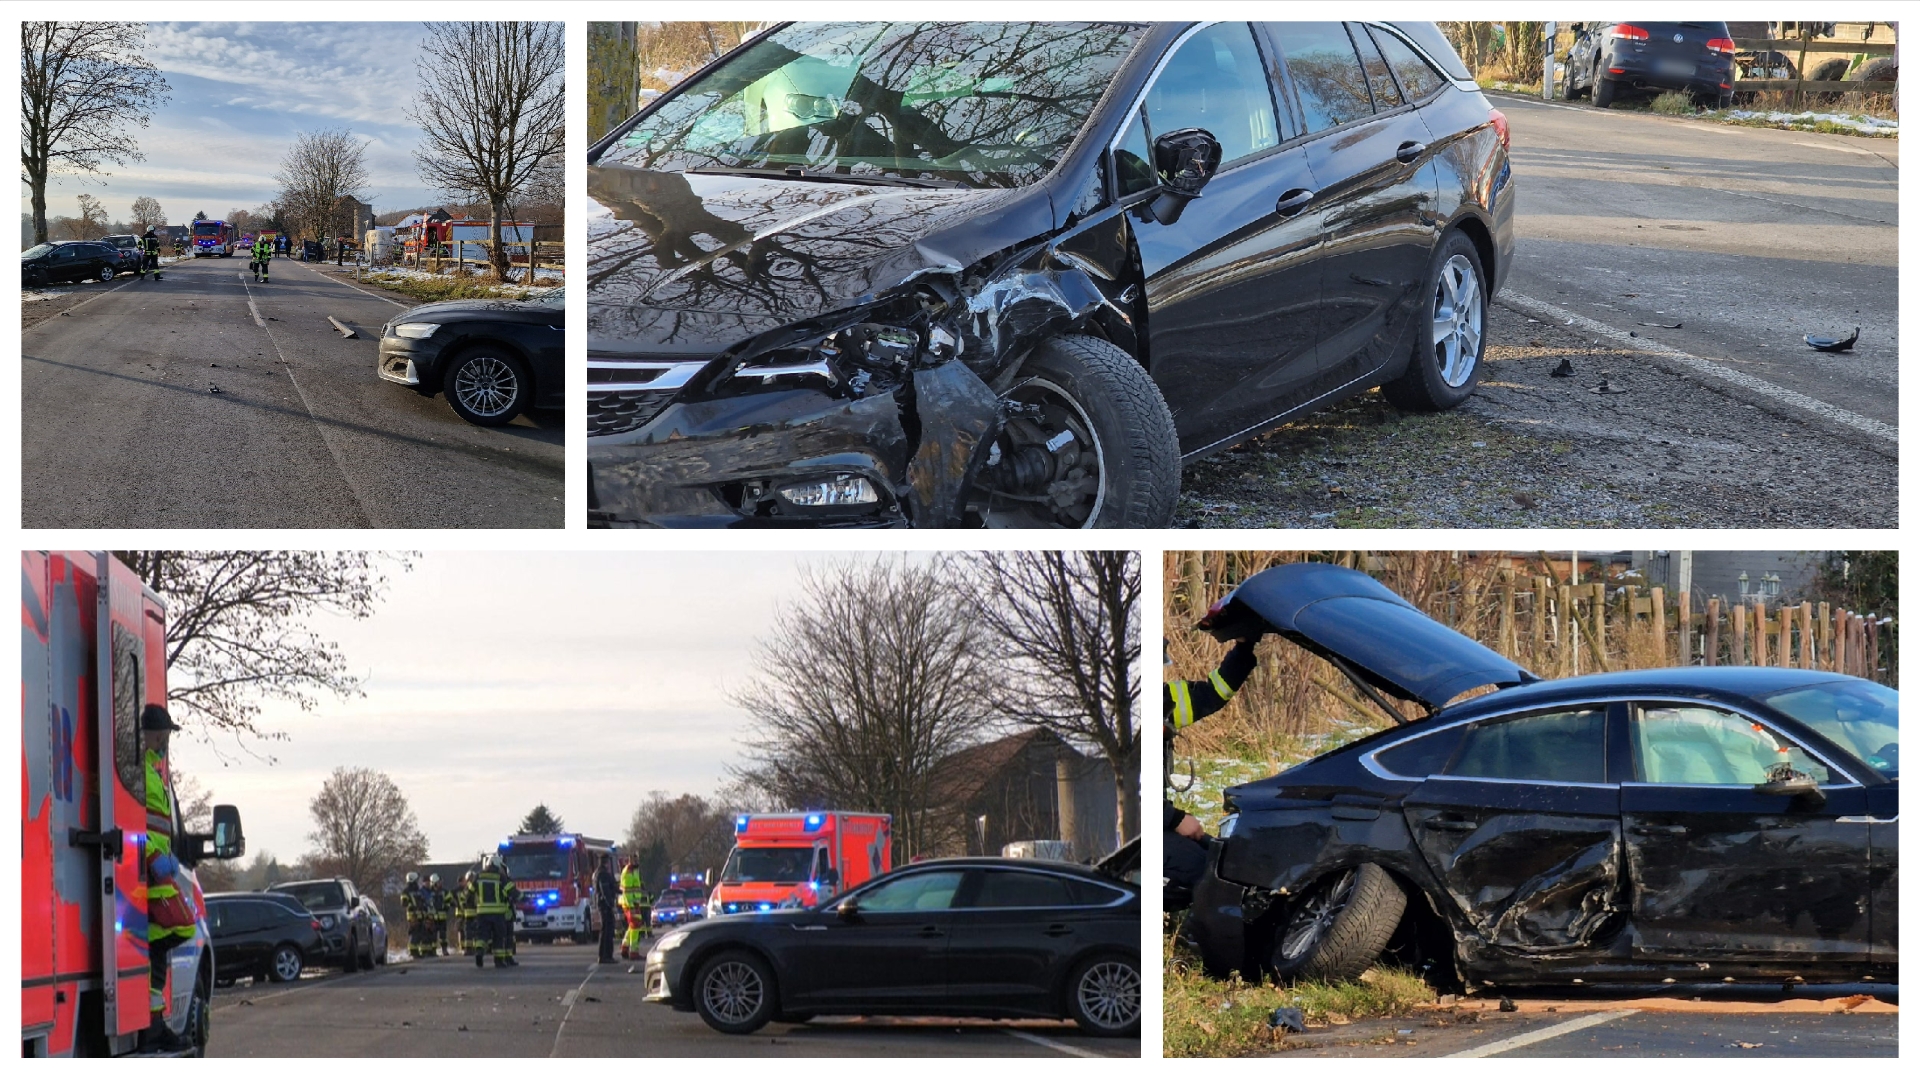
{"points": [[1562, 317], [355, 288], [326, 434], [1542, 1035], [1050, 1044], [569, 1001]]}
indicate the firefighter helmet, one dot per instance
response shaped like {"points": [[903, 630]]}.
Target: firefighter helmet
{"points": [[433, 879], [413, 877]]}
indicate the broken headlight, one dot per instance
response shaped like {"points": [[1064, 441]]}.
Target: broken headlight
{"points": [[860, 359], [838, 491]]}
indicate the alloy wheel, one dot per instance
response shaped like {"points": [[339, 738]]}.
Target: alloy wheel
{"points": [[733, 991], [286, 965], [1316, 914], [486, 385], [1457, 316], [1109, 994]]}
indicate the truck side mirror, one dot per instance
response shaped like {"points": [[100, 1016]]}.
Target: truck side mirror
{"points": [[228, 841], [1185, 160], [830, 878]]}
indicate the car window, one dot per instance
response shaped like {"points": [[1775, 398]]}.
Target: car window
{"points": [[930, 891], [1083, 893], [1416, 76], [1424, 756], [1385, 94], [1326, 73], [1021, 889], [36, 251], [1217, 82], [1133, 160], [1692, 744], [1861, 717], [1560, 747]]}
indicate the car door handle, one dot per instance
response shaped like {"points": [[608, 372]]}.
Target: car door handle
{"points": [[1658, 830], [1058, 930], [1293, 202], [1409, 151], [1450, 824], [931, 931]]}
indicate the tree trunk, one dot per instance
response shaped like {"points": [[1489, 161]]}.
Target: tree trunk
{"points": [[499, 252], [38, 181]]}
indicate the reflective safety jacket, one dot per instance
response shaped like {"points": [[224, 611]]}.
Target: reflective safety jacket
{"points": [[1187, 703], [413, 901], [633, 891], [493, 893], [168, 913], [433, 899], [262, 250]]}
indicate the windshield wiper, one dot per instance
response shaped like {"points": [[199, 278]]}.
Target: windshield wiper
{"points": [[796, 172]]}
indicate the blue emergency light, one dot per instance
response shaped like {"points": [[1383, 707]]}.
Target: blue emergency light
{"points": [[566, 841], [554, 896], [814, 821], [765, 906], [740, 824]]}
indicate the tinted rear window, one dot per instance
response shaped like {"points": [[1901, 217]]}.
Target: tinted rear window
{"points": [[1562, 747], [1435, 44], [1416, 76], [1424, 756], [1385, 94], [1326, 73], [1018, 888]]}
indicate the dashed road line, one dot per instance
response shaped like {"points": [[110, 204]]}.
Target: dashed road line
{"points": [[1042, 1040], [573, 997], [1546, 312], [1554, 1031]]}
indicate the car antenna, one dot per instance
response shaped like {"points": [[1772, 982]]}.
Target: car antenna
{"points": [[1361, 685]]}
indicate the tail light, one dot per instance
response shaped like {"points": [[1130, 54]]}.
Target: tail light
{"points": [[1721, 45], [1629, 32], [1500, 125]]}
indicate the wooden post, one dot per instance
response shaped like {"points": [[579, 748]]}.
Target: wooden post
{"points": [[1841, 629], [1823, 639], [1737, 655], [1506, 612], [1563, 627], [1870, 656], [1800, 72], [1809, 656], [1686, 628], [1660, 649], [1710, 648], [1759, 633], [1783, 652]]}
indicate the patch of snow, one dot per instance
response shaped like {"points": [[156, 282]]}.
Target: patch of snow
{"points": [[30, 295], [1865, 125]]}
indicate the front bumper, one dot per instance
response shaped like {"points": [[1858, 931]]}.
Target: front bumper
{"points": [[663, 974], [411, 362]]}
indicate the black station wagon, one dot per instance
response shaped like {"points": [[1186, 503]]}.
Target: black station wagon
{"points": [[1702, 824], [1013, 274]]}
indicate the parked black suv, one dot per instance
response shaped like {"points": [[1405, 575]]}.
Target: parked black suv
{"points": [[1013, 274], [345, 927], [1610, 59], [257, 935], [70, 260]]}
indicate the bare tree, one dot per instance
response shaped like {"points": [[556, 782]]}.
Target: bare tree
{"points": [[83, 86], [877, 674], [147, 214], [684, 832], [92, 222], [236, 627], [492, 110], [320, 177], [1068, 625], [363, 828]]}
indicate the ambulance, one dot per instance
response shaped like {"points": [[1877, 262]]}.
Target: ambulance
{"points": [[799, 860]]}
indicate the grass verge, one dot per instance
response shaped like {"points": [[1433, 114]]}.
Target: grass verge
{"points": [[432, 290], [1209, 1018]]}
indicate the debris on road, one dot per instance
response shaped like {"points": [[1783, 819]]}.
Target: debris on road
{"points": [[345, 330], [1288, 1020], [1565, 370], [1832, 344], [211, 389], [1606, 387], [1662, 325], [1507, 1005]]}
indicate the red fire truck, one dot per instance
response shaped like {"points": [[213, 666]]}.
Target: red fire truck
{"points": [[554, 873], [798, 860], [94, 652]]}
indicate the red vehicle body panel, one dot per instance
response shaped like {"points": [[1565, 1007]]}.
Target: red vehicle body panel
{"points": [[858, 846]]}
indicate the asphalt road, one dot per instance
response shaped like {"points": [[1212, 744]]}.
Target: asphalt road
{"points": [[558, 1003], [1749, 238], [1806, 1024], [121, 427]]}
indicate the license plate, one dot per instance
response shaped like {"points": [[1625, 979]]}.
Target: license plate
{"points": [[532, 924], [1680, 68]]}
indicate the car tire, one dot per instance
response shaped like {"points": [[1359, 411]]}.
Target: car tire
{"points": [[487, 386], [350, 961], [1832, 70], [286, 964], [366, 961], [1103, 996], [1338, 927], [1443, 370], [200, 1015], [1096, 385], [105, 275], [1604, 91], [734, 993], [1878, 69]]}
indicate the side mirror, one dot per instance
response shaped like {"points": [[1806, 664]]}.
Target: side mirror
{"points": [[228, 841], [830, 878], [1185, 160], [1797, 786], [848, 910]]}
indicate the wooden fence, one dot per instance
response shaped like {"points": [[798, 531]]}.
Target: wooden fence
{"points": [[1801, 85]]}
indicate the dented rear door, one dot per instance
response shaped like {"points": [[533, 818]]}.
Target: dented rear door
{"points": [[1523, 831]]}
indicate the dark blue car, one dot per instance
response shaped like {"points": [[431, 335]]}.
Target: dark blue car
{"points": [[1691, 824], [1609, 60]]}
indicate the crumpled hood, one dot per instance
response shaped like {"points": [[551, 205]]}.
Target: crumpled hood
{"points": [[687, 262], [1337, 612]]}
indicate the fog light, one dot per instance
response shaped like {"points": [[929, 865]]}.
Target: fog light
{"points": [[839, 491]]}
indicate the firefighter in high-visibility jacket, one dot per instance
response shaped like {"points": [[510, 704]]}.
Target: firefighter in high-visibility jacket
{"points": [[636, 904], [494, 895], [469, 924], [413, 901], [437, 902], [1184, 844], [170, 918], [262, 258]]}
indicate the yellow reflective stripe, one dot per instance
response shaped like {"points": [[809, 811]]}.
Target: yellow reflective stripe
{"points": [[1220, 685], [1182, 704]]}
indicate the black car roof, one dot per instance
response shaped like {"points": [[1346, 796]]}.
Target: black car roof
{"points": [[1001, 862], [1740, 682]]}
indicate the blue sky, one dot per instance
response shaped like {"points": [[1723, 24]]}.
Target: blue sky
{"points": [[498, 680], [240, 93]]}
